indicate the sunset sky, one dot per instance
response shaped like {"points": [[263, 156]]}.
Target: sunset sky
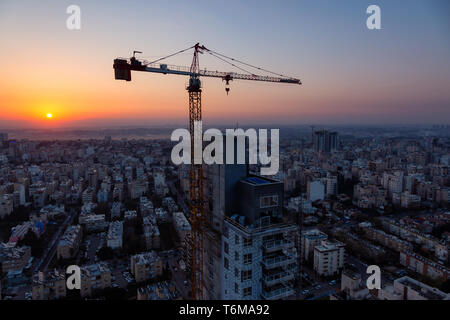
{"points": [[351, 75]]}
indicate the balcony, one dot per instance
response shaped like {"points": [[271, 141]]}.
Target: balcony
{"points": [[277, 244], [271, 262], [278, 292], [271, 279]]}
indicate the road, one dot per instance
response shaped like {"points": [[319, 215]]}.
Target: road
{"points": [[50, 251], [362, 269], [178, 276], [179, 197], [325, 289]]}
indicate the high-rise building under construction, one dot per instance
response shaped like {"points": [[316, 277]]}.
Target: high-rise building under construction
{"points": [[250, 251]]}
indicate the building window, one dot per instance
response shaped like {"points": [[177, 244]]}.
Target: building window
{"points": [[225, 232], [248, 243], [246, 275], [236, 256], [236, 272], [236, 239], [225, 247], [236, 288], [247, 291], [248, 258], [268, 201], [226, 264]]}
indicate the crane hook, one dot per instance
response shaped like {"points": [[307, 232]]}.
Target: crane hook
{"points": [[227, 90]]}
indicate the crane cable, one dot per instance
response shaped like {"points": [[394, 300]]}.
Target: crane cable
{"points": [[249, 65], [242, 69], [170, 55], [216, 55]]}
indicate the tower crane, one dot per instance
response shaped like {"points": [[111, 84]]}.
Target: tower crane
{"points": [[122, 70]]}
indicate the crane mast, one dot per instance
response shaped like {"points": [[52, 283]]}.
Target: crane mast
{"points": [[196, 205], [122, 69]]}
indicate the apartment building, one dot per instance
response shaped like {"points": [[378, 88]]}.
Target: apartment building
{"points": [[130, 215], [6, 206], [309, 240], [352, 287], [48, 286], [114, 238], [258, 262], [329, 258], [152, 237], [146, 206], [408, 200], [410, 234], [116, 210], [94, 277], [387, 240], [181, 226], [315, 190], [92, 221], [406, 288], [69, 243], [164, 290], [146, 266], [424, 266], [13, 258]]}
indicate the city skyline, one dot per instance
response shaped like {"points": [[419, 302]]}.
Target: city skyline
{"points": [[351, 75]]}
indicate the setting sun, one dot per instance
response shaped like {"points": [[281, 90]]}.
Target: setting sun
{"points": [[49, 115]]}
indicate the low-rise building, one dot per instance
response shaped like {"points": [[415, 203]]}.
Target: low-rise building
{"points": [[408, 200], [48, 286], [116, 210], [69, 243], [114, 239], [181, 226], [151, 233], [310, 239], [159, 291], [387, 240], [352, 287], [130, 215], [406, 288], [146, 266], [14, 258], [6, 206], [424, 266], [94, 277], [329, 258], [92, 221]]}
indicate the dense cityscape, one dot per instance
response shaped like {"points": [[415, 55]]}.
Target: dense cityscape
{"points": [[345, 198]]}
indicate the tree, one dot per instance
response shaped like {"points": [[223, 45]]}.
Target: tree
{"points": [[105, 253], [31, 240], [446, 286]]}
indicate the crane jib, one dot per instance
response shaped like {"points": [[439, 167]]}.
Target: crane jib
{"points": [[123, 70]]}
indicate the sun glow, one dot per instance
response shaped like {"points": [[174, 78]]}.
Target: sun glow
{"points": [[49, 115]]}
